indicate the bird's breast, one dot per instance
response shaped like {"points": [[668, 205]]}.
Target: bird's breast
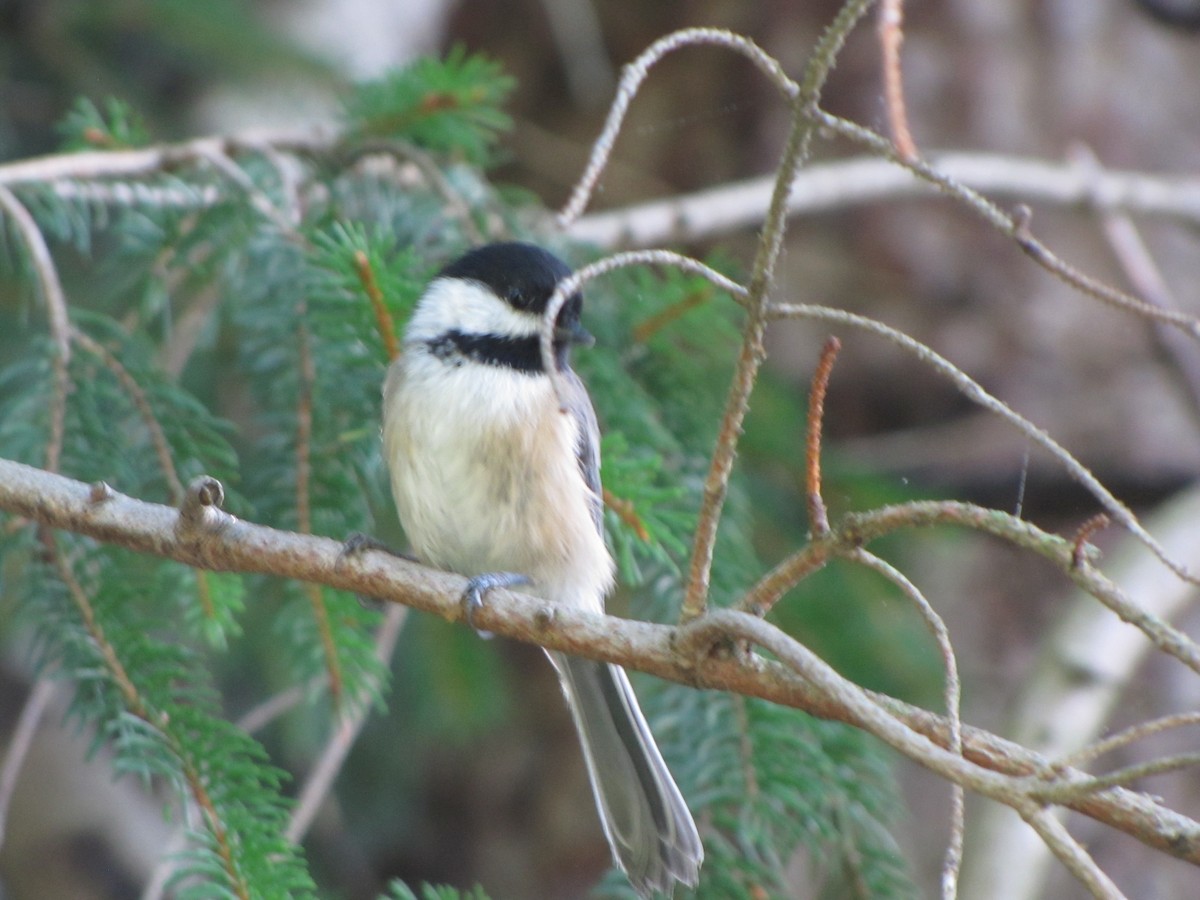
{"points": [[486, 477]]}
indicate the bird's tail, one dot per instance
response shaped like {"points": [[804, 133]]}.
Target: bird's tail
{"points": [[647, 823]]}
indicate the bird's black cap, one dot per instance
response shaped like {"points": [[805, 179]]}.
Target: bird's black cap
{"points": [[523, 275]]}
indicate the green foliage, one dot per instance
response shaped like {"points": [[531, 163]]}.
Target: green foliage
{"points": [[157, 712], [157, 54], [117, 127], [775, 784], [450, 107], [397, 890], [205, 310], [652, 519]]}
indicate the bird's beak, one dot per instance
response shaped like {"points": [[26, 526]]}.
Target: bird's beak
{"points": [[576, 334]]}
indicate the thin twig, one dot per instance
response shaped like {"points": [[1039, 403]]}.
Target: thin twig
{"points": [[627, 513], [1017, 226], [304, 413], [1161, 633], [56, 312], [786, 575], [573, 283], [1128, 736], [1077, 860], [178, 346], [975, 392], [648, 328], [383, 318], [220, 161], [1055, 792], [278, 705], [753, 352], [428, 166], [632, 77], [951, 697], [19, 744], [891, 37], [1079, 554], [329, 763], [818, 517]]}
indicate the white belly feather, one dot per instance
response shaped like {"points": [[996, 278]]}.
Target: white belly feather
{"points": [[485, 477]]}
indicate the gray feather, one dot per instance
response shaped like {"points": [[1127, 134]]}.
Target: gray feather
{"points": [[587, 450], [647, 823]]}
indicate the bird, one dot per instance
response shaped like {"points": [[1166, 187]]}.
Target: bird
{"points": [[497, 478]]}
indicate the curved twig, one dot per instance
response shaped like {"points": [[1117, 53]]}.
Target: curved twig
{"points": [[976, 393]]}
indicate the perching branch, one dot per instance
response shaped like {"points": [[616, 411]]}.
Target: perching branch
{"points": [[201, 534]]}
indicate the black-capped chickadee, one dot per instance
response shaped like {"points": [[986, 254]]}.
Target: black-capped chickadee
{"points": [[490, 476]]}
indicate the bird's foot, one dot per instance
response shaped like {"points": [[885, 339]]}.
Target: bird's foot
{"points": [[357, 543], [478, 587]]}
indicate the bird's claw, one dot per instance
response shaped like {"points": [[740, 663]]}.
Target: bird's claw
{"points": [[356, 542], [477, 588]]}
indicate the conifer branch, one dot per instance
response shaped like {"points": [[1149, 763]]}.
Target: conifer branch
{"points": [[304, 414], [56, 310], [95, 165], [162, 449], [138, 706]]}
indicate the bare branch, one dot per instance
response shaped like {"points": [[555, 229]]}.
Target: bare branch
{"points": [[753, 351], [56, 311], [952, 697], [975, 392], [1072, 855], [18, 745], [329, 763], [818, 517], [891, 37], [632, 77], [95, 164], [1129, 736], [1016, 225], [844, 184]]}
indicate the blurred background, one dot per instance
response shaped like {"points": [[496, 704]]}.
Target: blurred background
{"points": [[1050, 79]]}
